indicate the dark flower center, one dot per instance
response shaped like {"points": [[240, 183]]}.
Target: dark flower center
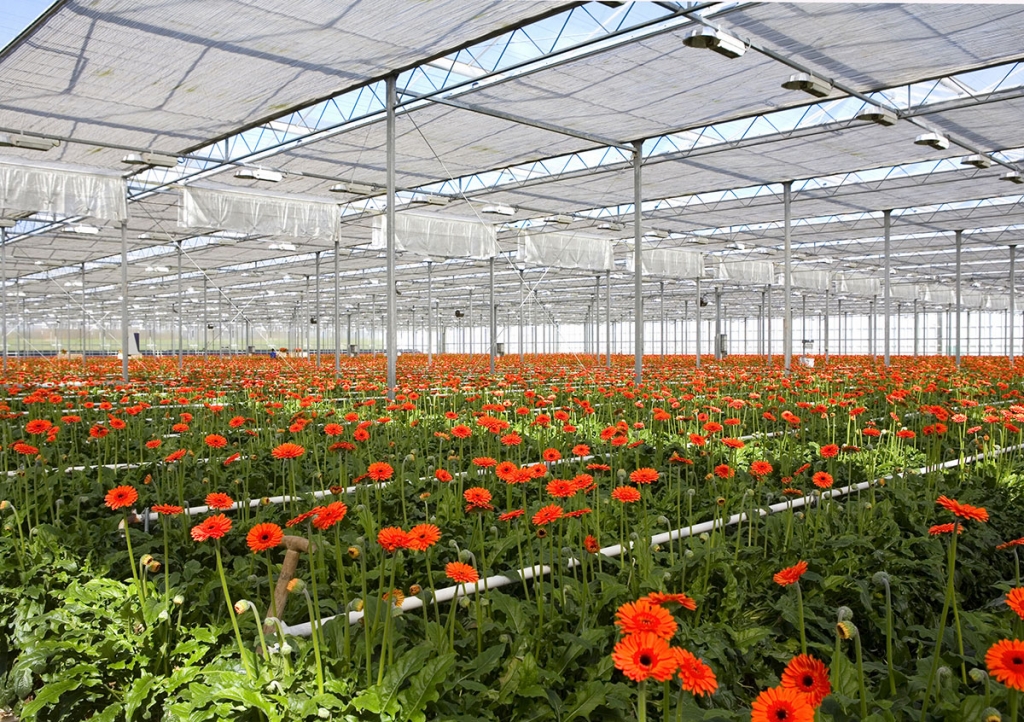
{"points": [[645, 660], [808, 680], [781, 714], [1017, 660]]}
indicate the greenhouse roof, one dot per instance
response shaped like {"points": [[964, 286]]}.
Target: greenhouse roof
{"points": [[529, 105]]}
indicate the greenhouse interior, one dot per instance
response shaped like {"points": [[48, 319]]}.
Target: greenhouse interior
{"points": [[524, 360]]}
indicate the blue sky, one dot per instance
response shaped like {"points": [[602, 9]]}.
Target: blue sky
{"points": [[18, 15]]}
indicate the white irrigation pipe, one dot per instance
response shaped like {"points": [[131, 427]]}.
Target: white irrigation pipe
{"points": [[501, 580]]}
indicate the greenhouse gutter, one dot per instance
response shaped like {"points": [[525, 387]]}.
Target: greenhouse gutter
{"points": [[523, 575]]}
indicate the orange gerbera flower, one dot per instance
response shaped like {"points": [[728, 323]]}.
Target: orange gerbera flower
{"points": [[548, 514], [506, 470], [724, 471], [393, 538], [264, 536], [562, 488], [760, 468], [964, 511], [485, 462], [334, 429], [829, 451], [781, 704], [216, 441], [808, 676], [167, 509], [551, 455], [176, 455], [303, 517], [38, 426], [644, 475], [213, 527], [626, 494], [822, 480], [939, 529], [679, 598], [477, 498], [1005, 662], [642, 616], [219, 500], [442, 475], [696, 676], [1015, 601], [287, 450], [461, 573], [423, 536], [380, 471], [120, 497], [328, 516], [790, 575], [644, 656]]}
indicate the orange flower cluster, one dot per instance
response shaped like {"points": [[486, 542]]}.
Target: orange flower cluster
{"points": [[645, 651]]}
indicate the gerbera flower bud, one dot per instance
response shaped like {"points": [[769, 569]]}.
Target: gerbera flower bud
{"points": [[844, 613], [846, 630], [242, 606], [295, 586], [178, 600], [991, 714], [881, 579], [978, 675], [414, 590], [354, 552], [145, 559]]}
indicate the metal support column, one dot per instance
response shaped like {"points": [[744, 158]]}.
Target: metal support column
{"points": [[392, 304], [430, 312], [1013, 293], [787, 322], [608, 316], [206, 319], [769, 333], [916, 327], [337, 311], [638, 301], [597, 319], [494, 315], [959, 293], [661, 287], [181, 313], [84, 316], [697, 306], [316, 308], [124, 299], [887, 288], [828, 291], [717, 341], [3, 290], [522, 311]]}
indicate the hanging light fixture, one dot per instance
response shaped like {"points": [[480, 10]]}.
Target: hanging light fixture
{"points": [[810, 84], [716, 40], [878, 114]]}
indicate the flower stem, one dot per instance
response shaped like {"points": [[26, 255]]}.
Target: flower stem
{"points": [[231, 613]]}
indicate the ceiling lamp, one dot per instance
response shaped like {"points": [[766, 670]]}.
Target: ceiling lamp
{"points": [[358, 189], [498, 210], [85, 230], [934, 140], [153, 159], [7, 223], [260, 174], [562, 219], [612, 227], [877, 114], [435, 200], [657, 233], [978, 161], [9, 140], [1012, 176], [715, 40], [810, 84]]}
